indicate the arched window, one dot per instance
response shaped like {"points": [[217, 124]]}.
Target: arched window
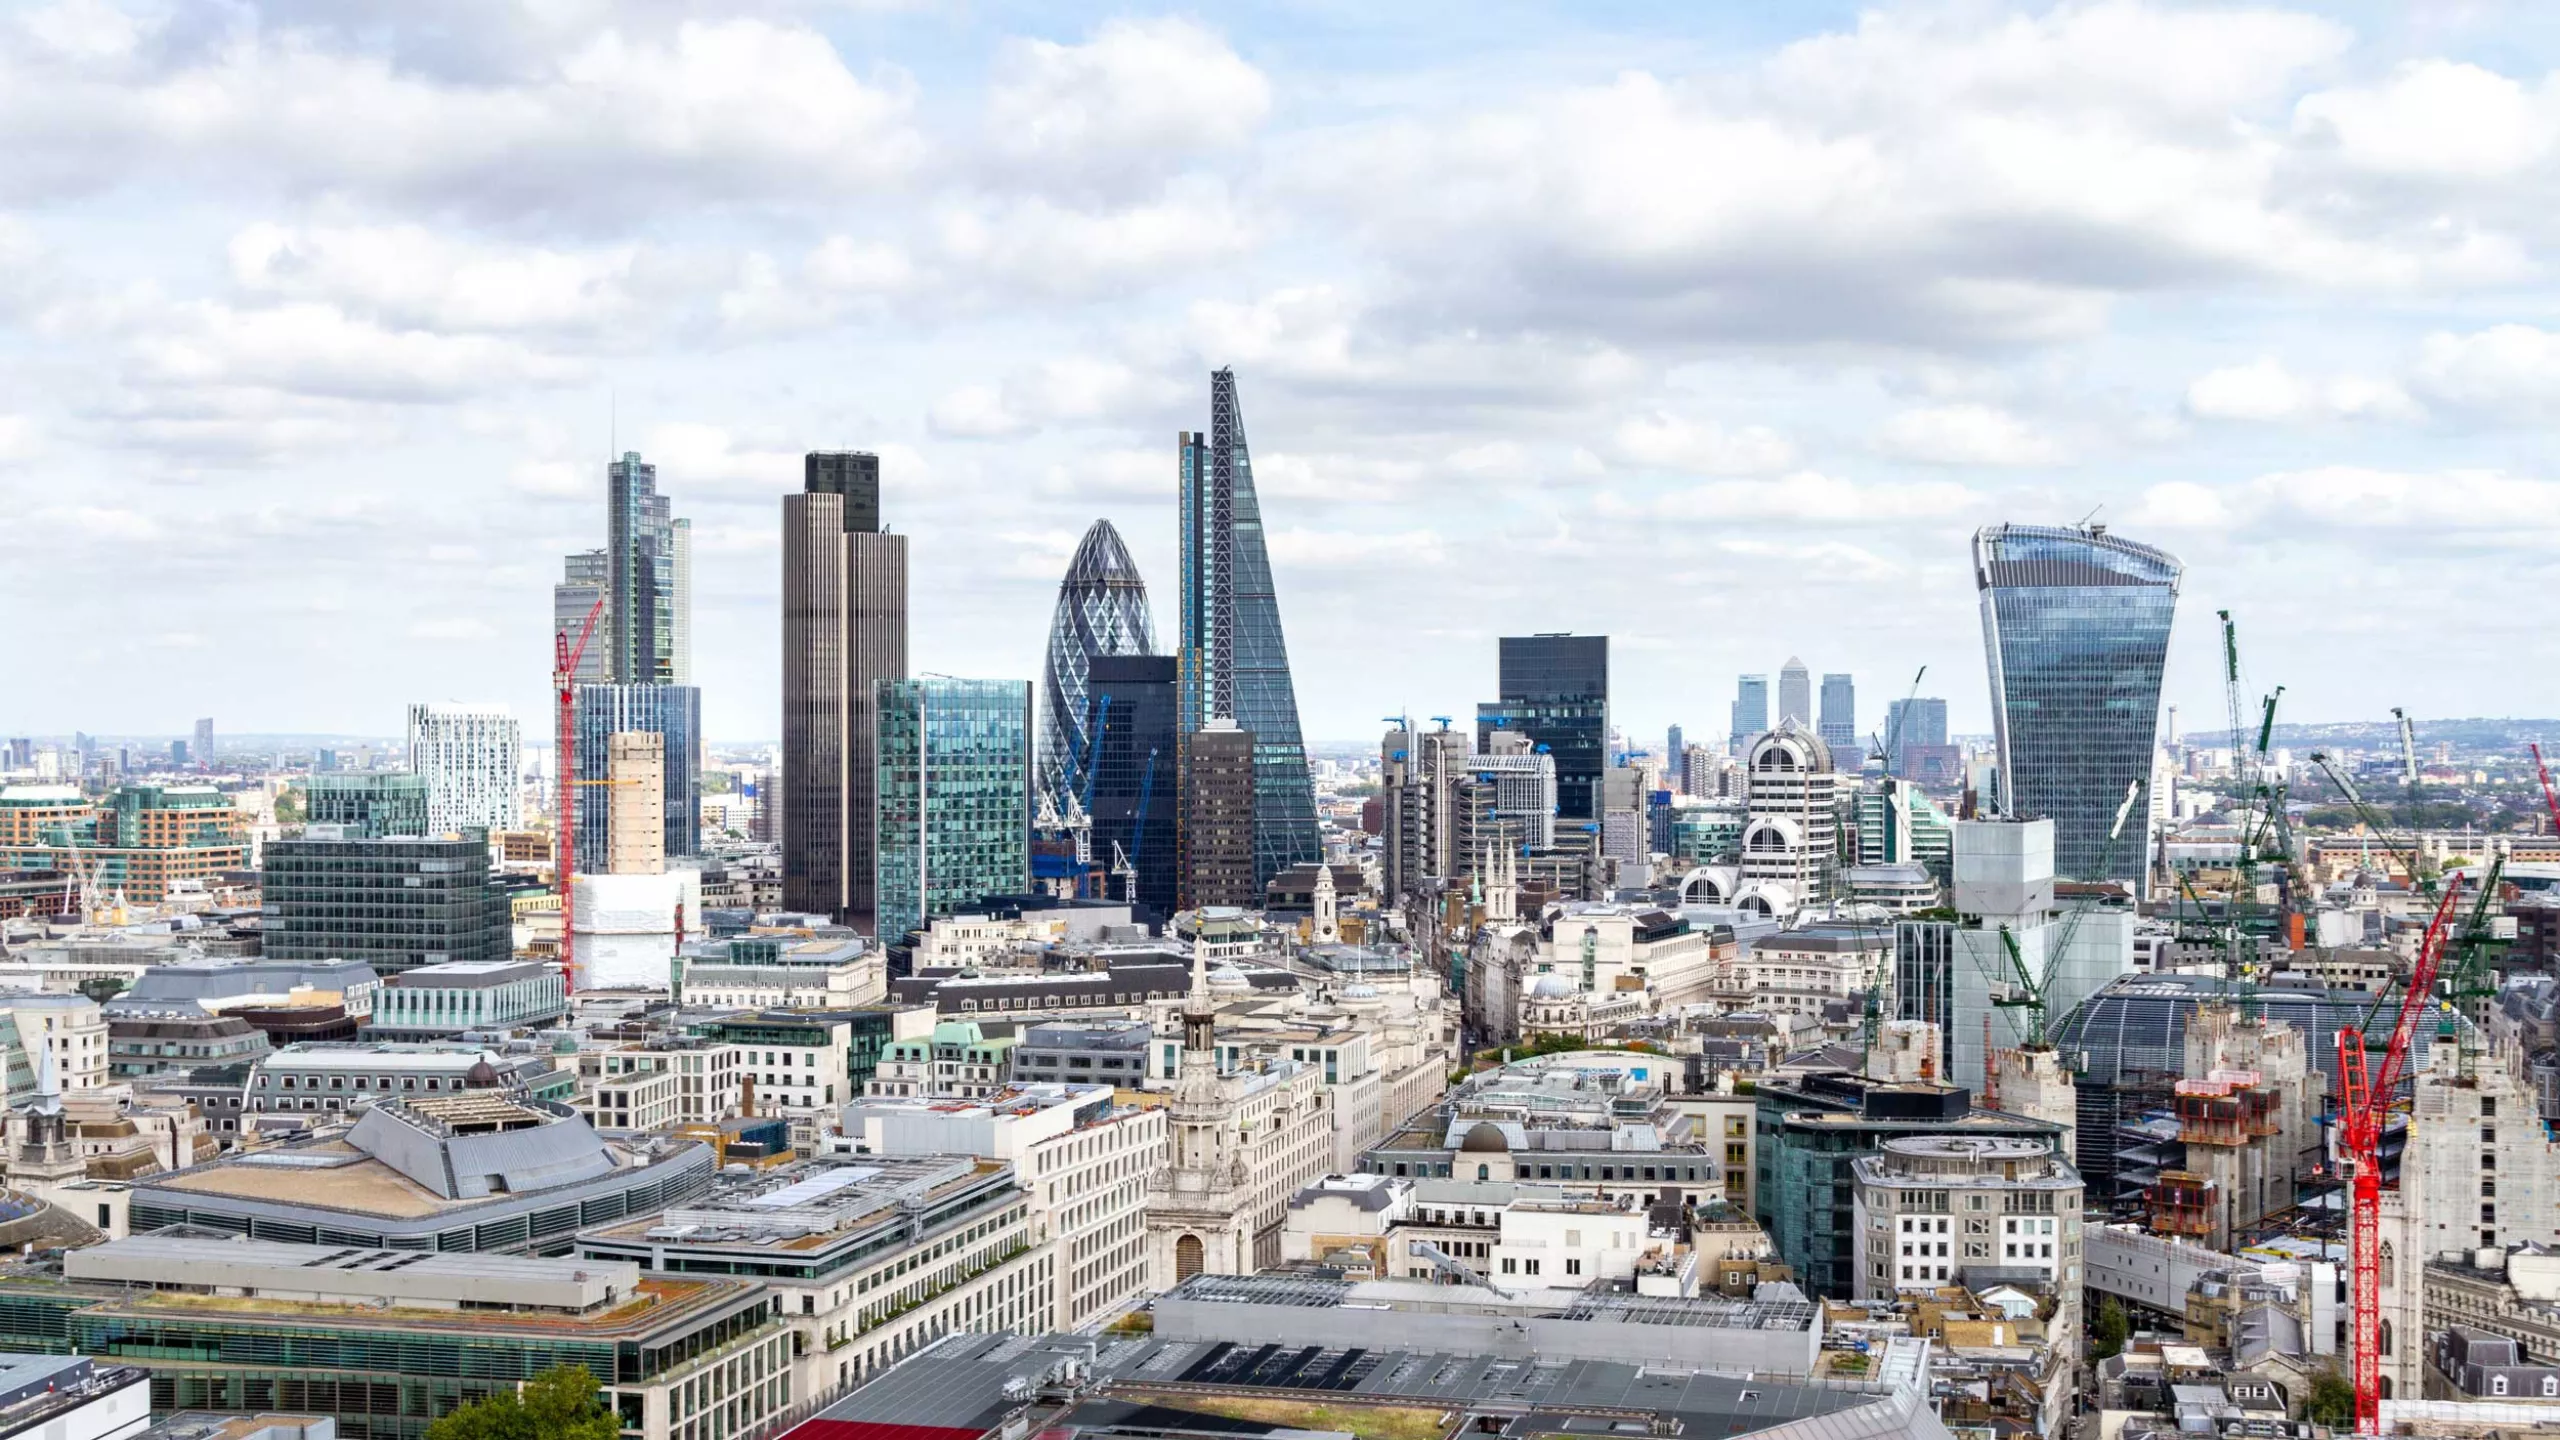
{"points": [[2386, 1330], [1186, 1257], [1484, 1172]]}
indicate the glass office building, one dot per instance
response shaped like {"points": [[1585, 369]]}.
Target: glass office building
{"points": [[1919, 721], [1102, 610], [640, 567], [1750, 710], [1555, 690], [1235, 662], [2075, 626], [369, 806], [671, 711], [1136, 797], [955, 797], [393, 904], [1839, 723]]}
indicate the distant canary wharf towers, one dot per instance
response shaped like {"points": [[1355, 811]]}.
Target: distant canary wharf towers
{"points": [[2075, 627], [1234, 662], [1102, 610]]}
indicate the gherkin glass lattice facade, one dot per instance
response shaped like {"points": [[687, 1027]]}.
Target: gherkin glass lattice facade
{"points": [[1235, 662], [2075, 626], [1102, 610]]}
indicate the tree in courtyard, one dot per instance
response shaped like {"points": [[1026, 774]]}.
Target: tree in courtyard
{"points": [[2108, 1330], [2332, 1401], [563, 1403]]}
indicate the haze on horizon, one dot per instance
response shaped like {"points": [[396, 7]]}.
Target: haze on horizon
{"points": [[1716, 335]]}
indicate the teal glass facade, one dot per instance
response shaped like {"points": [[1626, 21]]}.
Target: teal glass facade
{"points": [[2075, 627], [1235, 661], [372, 807], [954, 818]]}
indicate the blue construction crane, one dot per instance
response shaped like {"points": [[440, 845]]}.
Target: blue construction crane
{"points": [[1146, 793], [1093, 742]]}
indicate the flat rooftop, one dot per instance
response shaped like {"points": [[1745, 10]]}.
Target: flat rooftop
{"points": [[1316, 1292], [968, 1384], [355, 1274], [807, 1205], [1025, 1099]]}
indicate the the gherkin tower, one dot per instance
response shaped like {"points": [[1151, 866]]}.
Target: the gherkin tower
{"points": [[1102, 610]]}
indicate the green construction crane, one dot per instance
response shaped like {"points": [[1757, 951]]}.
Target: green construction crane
{"points": [[2025, 990]]}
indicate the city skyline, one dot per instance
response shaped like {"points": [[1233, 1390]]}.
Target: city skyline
{"points": [[365, 410]]}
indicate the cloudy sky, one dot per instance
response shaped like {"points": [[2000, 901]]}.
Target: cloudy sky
{"points": [[318, 322]]}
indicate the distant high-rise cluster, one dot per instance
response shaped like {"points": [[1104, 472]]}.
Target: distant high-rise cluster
{"points": [[1166, 779], [1830, 713]]}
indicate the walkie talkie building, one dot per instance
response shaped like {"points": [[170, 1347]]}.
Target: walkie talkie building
{"points": [[2075, 629], [1102, 610]]}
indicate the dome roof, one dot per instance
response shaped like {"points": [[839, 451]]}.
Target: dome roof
{"points": [[481, 1076], [1551, 987], [1359, 990], [1228, 978], [1486, 1136], [1789, 746]]}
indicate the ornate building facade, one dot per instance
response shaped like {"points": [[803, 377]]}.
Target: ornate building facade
{"points": [[1242, 1141]]}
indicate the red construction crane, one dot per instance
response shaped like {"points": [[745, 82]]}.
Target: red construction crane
{"points": [[2550, 801], [2367, 1101], [564, 823]]}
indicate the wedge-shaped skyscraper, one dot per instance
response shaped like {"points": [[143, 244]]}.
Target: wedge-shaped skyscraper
{"points": [[1235, 664], [1102, 610], [2075, 629]]}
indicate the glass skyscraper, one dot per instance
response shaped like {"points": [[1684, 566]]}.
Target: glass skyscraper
{"points": [[1235, 663], [671, 711], [1750, 709], [1555, 690], [1795, 693], [1102, 610], [1136, 797], [954, 797], [1917, 722], [645, 560], [1838, 725], [2075, 626], [585, 578]]}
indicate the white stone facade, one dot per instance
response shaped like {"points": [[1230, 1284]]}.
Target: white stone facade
{"points": [[1241, 1143]]}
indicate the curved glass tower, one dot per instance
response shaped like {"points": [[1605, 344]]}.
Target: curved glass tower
{"points": [[2075, 627], [1102, 610]]}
